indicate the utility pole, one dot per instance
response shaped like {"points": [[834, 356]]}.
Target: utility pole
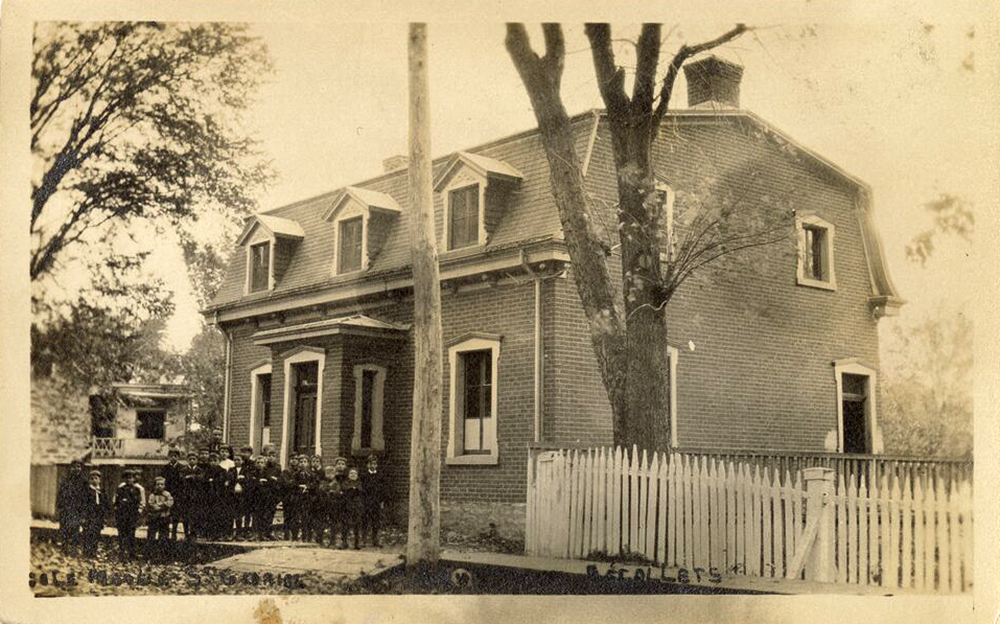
{"points": [[423, 542]]}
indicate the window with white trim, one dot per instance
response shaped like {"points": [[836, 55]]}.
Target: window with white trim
{"points": [[857, 426], [260, 267], [369, 396], [665, 197], [349, 244], [464, 216], [260, 407], [472, 423], [815, 253]]}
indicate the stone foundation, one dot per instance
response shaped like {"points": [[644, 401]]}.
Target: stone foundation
{"points": [[473, 519]]}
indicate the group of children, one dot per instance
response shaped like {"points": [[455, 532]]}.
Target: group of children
{"points": [[217, 494]]}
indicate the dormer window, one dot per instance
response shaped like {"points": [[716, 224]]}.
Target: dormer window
{"points": [[474, 191], [260, 266], [362, 219], [269, 242], [349, 244], [463, 217], [815, 257]]}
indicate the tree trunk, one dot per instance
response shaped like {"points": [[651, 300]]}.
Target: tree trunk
{"points": [[587, 253], [424, 533]]}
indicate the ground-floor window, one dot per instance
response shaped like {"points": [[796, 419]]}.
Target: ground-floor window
{"points": [[856, 408], [369, 393], [472, 434], [260, 407]]}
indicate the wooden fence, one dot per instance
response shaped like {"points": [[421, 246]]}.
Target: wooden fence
{"points": [[912, 534], [864, 468], [699, 512]]}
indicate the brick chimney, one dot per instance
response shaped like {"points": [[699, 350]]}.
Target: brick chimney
{"points": [[713, 83], [393, 163]]}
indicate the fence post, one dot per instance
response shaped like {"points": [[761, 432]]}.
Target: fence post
{"points": [[819, 489]]}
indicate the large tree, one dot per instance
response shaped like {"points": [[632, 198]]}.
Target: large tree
{"points": [[628, 325], [139, 120]]}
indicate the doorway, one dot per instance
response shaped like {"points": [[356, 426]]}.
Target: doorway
{"points": [[306, 391]]}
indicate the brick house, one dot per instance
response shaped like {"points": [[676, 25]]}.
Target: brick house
{"points": [[317, 305]]}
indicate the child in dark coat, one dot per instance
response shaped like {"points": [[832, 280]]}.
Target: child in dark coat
{"points": [[173, 475], [69, 502], [93, 510], [351, 505], [373, 487], [128, 506]]}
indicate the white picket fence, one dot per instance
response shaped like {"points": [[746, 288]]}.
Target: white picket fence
{"points": [[912, 535], [700, 513]]}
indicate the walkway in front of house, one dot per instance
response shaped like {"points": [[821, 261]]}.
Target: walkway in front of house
{"points": [[287, 557]]}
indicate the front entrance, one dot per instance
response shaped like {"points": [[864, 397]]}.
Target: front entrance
{"points": [[303, 433]]}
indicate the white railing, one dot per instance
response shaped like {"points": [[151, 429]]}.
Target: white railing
{"points": [[104, 448]]}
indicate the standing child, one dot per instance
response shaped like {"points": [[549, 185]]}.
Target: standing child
{"points": [[159, 505], [373, 487], [216, 496], [329, 493], [238, 482], [290, 498], [94, 509], [259, 494], [314, 524], [173, 475], [351, 503], [69, 505], [191, 501], [128, 506], [273, 473]]}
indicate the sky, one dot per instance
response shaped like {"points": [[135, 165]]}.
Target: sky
{"points": [[892, 92]]}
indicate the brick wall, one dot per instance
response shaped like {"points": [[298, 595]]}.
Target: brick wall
{"points": [[759, 375], [505, 309]]}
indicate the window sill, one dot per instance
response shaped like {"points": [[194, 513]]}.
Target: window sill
{"points": [[811, 283], [479, 459]]}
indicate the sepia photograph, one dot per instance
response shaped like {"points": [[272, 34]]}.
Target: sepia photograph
{"points": [[446, 303]]}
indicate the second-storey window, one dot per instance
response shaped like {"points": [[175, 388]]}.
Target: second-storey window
{"points": [[463, 217], [349, 244], [260, 266], [816, 266]]}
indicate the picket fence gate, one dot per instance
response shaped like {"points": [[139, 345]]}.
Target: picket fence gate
{"points": [[696, 512]]}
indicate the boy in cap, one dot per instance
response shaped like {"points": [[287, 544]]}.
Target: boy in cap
{"points": [[272, 472], [290, 498], [128, 506], [329, 501], [158, 505], [373, 487], [350, 503], [216, 500], [188, 503], [173, 475], [69, 502], [314, 525], [258, 495], [94, 509], [238, 481]]}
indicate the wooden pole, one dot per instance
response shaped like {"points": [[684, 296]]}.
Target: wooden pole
{"points": [[424, 535]]}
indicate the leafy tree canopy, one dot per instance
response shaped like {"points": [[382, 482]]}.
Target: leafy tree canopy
{"points": [[139, 120]]}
